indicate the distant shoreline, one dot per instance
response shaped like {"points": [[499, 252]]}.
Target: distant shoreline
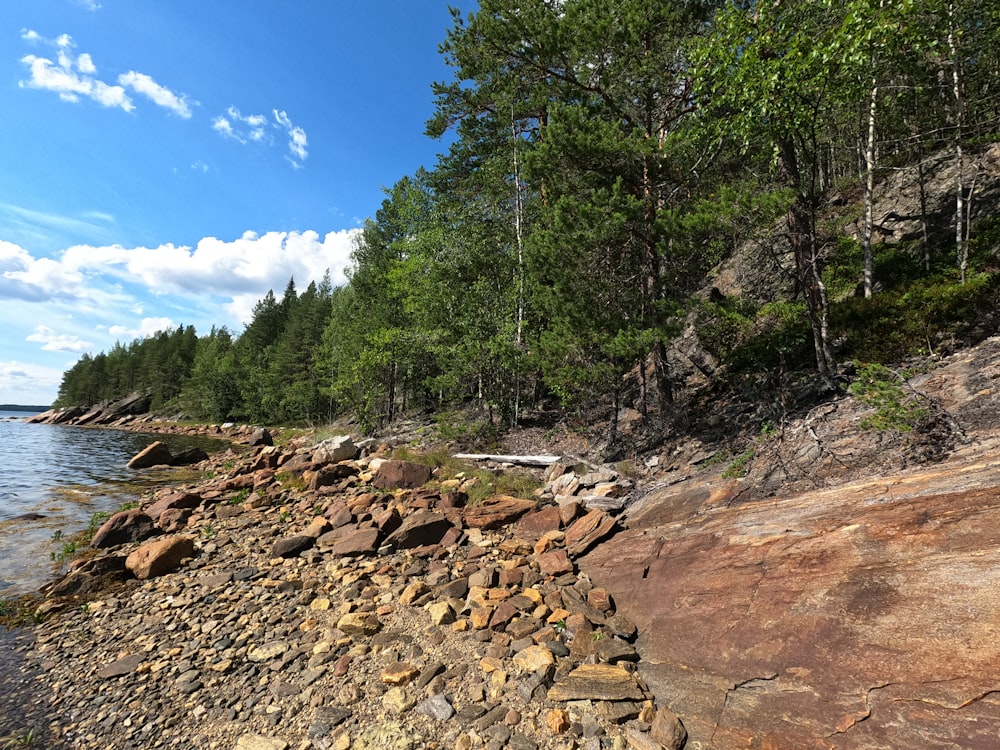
{"points": [[22, 407]]}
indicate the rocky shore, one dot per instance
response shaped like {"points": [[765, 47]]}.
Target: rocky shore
{"points": [[309, 596]]}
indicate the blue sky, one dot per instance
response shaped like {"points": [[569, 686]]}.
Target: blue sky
{"points": [[168, 162]]}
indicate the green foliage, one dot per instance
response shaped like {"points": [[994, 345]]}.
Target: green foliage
{"points": [[18, 611], [881, 388], [603, 159], [740, 465], [18, 740]]}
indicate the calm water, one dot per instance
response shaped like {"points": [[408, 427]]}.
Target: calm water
{"points": [[65, 474]]}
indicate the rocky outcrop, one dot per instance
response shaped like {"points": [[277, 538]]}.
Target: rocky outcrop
{"points": [[854, 617]]}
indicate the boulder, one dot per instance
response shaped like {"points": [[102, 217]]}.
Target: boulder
{"points": [[154, 454], [189, 457], [91, 577], [419, 529], [125, 527], [261, 436], [357, 542], [171, 501], [496, 511], [394, 474], [334, 450], [160, 556], [292, 546]]}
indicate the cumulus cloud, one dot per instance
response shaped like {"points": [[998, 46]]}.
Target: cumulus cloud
{"points": [[73, 77], [147, 327], [32, 279], [69, 76], [297, 140], [236, 272], [22, 383], [56, 342], [160, 95]]}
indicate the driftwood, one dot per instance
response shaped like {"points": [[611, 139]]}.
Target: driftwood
{"points": [[523, 460]]}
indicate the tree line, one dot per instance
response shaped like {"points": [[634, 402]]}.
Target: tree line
{"points": [[603, 159]]}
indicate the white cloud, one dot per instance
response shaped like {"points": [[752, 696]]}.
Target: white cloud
{"points": [[297, 140], [147, 327], [35, 279], [242, 128], [24, 383], [74, 77], [55, 342], [254, 129], [89, 4], [71, 78], [160, 95]]}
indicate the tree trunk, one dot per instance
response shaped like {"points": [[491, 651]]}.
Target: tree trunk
{"points": [[956, 80], [870, 189], [801, 236]]}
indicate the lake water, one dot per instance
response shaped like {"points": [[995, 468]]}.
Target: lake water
{"points": [[66, 474]]}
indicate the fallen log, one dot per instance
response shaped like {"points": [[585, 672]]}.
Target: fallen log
{"points": [[523, 460]]}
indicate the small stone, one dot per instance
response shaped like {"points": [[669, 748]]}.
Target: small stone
{"points": [[125, 665], [557, 720], [398, 700], [399, 673], [259, 742], [437, 707], [441, 613], [359, 624], [534, 658], [413, 592], [267, 651]]}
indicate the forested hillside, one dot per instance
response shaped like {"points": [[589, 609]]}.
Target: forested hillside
{"points": [[606, 163]]}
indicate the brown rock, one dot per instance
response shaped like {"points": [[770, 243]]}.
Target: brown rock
{"points": [[173, 500], [394, 474], [358, 542], [125, 527], [154, 454], [317, 527], [360, 624], [857, 616], [292, 546], [557, 720], [533, 525], [399, 673], [668, 730], [418, 529], [599, 598], [495, 512], [159, 556], [585, 532], [603, 682], [173, 519], [554, 563]]}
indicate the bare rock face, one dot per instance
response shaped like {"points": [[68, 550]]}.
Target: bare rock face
{"points": [[858, 617]]}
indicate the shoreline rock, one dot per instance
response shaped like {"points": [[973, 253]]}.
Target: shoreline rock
{"points": [[425, 623]]}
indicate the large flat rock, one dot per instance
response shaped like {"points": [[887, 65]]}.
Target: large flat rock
{"points": [[865, 616]]}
